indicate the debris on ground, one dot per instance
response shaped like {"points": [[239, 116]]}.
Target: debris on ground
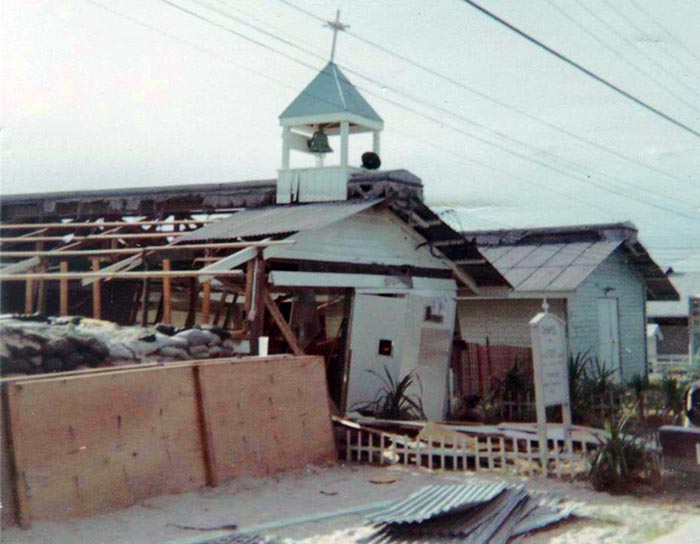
{"points": [[480, 513]]}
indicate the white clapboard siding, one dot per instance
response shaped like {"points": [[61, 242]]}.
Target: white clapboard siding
{"points": [[370, 237]]}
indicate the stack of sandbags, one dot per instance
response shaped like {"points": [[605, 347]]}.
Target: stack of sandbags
{"points": [[59, 344]]}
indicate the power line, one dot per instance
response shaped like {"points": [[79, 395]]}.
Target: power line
{"points": [[632, 45], [666, 31], [582, 69], [433, 119], [496, 101], [265, 76], [580, 168], [661, 47], [614, 51]]}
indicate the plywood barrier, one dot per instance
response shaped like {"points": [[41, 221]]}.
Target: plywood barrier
{"points": [[263, 417], [95, 442]]}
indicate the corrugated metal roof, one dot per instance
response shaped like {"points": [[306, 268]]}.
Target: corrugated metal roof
{"points": [[548, 267], [330, 92], [437, 500], [278, 220]]}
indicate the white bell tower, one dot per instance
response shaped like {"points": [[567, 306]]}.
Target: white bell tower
{"points": [[329, 106]]}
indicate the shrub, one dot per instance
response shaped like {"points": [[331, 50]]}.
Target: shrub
{"points": [[393, 401], [621, 459]]}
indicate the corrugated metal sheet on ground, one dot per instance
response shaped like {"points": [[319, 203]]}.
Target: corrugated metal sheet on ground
{"points": [[510, 513], [278, 220], [548, 267], [436, 500]]}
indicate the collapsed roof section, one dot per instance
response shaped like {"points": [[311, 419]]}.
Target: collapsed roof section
{"points": [[443, 242]]}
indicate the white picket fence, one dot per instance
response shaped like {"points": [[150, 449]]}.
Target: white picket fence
{"points": [[519, 452]]}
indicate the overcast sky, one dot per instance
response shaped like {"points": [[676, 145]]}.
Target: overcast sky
{"points": [[149, 95]]}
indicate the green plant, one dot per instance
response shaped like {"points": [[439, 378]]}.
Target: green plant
{"points": [[639, 384], [577, 381], [393, 400], [517, 383], [621, 459], [673, 395]]}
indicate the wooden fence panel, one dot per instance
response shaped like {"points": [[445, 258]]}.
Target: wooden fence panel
{"points": [[93, 443], [267, 415]]}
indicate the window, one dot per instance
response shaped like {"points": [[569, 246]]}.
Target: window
{"points": [[386, 347], [432, 317]]}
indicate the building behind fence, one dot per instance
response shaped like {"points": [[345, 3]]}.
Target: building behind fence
{"points": [[480, 369]]}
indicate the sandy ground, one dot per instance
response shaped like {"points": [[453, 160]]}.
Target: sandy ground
{"points": [[672, 517]]}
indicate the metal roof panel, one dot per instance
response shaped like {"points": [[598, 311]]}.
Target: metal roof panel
{"points": [[278, 220]]}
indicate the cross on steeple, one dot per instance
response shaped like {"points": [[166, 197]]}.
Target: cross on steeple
{"points": [[336, 26]]}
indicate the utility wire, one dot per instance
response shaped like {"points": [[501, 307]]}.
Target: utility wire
{"points": [[265, 76], [665, 30], [614, 51], [582, 69], [542, 186], [632, 45], [582, 170], [498, 102], [672, 58]]}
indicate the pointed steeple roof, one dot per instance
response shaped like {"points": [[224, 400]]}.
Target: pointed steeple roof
{"points": [[330, 93]]}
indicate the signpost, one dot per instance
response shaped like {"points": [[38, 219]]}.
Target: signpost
{"points": [[548, 334]]}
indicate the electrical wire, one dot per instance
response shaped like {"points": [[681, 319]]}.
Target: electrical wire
{"points": [[582, 69], [489, 98], [635, 65], [585, 179]]}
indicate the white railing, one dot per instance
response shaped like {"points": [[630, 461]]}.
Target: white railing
{"points": [[663, 364]]}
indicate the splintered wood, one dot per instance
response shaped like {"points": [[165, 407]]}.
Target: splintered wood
{"points": [[99, 441], [439, 447]]}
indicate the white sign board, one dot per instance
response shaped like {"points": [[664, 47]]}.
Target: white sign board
{"points": [[550, 359], [548, 334]]}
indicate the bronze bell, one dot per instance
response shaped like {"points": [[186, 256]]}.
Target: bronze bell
{"points": [[319, 142]]}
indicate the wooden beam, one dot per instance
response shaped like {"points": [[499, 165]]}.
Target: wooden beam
{"points": [[63, 290], [206, 301], [95, 224], [96, 292], [137, 250], [29, 297], [103, 274], [283, 326], [167, 293], [126, 236], [256, 316]]}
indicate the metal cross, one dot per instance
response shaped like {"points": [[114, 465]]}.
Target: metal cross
{"points": [[336, 26]]}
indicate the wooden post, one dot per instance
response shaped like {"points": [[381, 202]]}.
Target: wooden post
{"points": [[167, 293], [192, 309], [145, 301], [63, 290], [41, 299], [283, 326], [257, 312], [29, 297], [96, 292], [206, 301]]}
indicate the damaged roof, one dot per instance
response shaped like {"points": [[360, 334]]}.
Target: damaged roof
{"points": [[559, 259], [441, 239]]}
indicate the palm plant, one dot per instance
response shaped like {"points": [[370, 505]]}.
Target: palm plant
{"points": [[393, 400]]}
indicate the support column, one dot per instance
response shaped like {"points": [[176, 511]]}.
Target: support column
{"points": [[257, 313], [29, 297], [206, 301], [376, 141], [344, 140], [63, 290], [167, 293], [286, 147], [96, 292]]}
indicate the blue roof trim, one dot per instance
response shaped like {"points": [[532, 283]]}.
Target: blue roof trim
{"points": [[328, 93]]}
